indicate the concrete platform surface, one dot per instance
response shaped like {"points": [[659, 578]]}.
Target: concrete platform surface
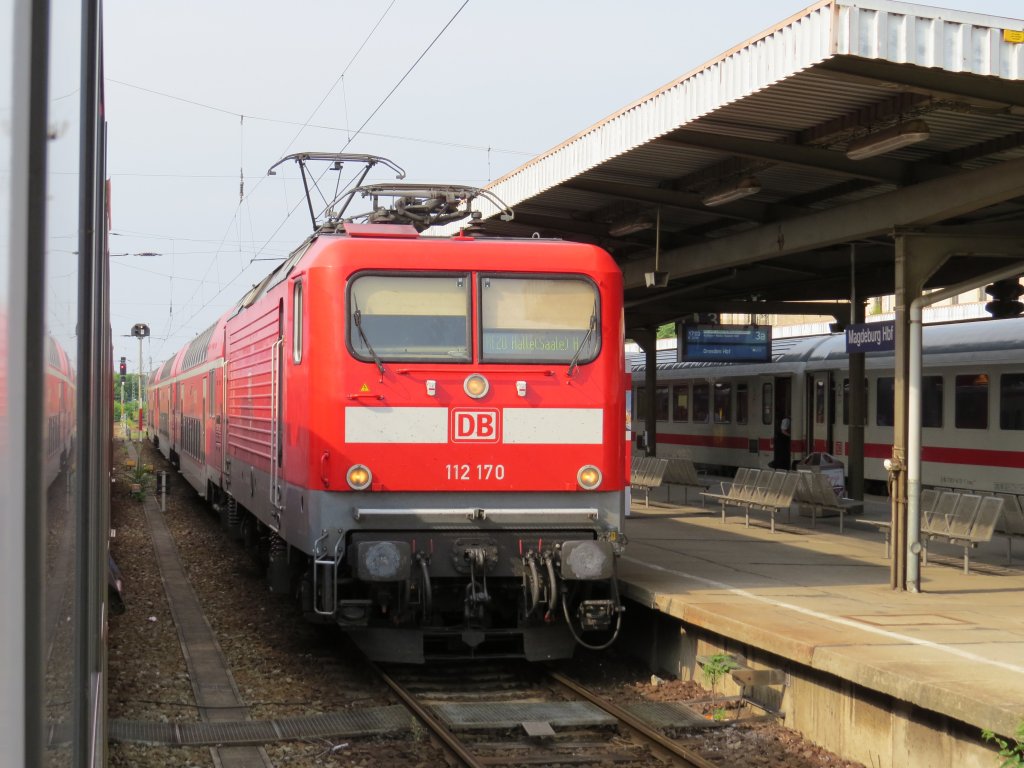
{"points": [[823, 600]]}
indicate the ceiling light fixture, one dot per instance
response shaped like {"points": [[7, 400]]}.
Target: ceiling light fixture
{"points": [[630, 226], [657, 278], [745, 187], [896, 137]]}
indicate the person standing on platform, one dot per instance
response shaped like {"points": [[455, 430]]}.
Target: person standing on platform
{"points": [[781, 443]]}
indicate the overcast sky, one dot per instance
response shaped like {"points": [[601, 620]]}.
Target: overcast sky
{"points": [[198, 92]]}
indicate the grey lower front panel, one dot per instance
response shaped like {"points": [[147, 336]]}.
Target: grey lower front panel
{"points": [[304, 515]]}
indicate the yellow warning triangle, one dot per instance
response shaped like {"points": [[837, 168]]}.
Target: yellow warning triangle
{"points": [[364, 388]]}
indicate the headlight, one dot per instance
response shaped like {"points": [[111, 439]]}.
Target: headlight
{"points": [[589, 477], [359, 477], [476, 386]]}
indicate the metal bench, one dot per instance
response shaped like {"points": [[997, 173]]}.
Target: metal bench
{"points": [[645, 473], [973, 522], [730, 490], [929, 499], [1012, 522], [681, 471], [820, 497], [777, 497]]}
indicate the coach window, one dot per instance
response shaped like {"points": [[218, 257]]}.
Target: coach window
{"points": [[742, 404], [931, 401], [403, 317], [1011, 401], [210, 391], [681, 402], [971, 401], [547, 319], [701, 403], [723, 402], [640, 402], [661, 403], [884, 402], [297, 322], [766, 403]]}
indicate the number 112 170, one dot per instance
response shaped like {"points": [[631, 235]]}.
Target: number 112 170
{"points": [[467, 472]]}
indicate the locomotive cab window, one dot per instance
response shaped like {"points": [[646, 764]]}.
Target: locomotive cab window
{"points": [[420, 317], [539, 320]]}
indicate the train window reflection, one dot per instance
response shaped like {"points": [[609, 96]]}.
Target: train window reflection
{"points": [[1011, 401], [681, 402], [766, 403], [971, 401], [701, 402], [819, 401], [742, 404], [540, 319], [409, 318], [723, 402], [640, 403]]}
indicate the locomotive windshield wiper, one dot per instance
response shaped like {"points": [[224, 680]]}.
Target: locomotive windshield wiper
{"points": [[357, 319], [586, 339]]}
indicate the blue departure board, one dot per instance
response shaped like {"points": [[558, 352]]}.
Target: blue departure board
{"points": [[725, 343]]}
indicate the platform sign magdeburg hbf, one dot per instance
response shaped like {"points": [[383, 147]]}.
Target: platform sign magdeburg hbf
{"points": [[871, 337]]}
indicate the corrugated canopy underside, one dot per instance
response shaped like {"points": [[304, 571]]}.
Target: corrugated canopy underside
{"points": [[778, 113]]}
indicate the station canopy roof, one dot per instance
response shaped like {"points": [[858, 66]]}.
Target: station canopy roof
{"points": [[781, 169]]}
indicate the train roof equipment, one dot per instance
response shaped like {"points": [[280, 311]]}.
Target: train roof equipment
{"points": [[418, 205]]}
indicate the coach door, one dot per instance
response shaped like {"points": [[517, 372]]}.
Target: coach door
{"points": [[775, 400], [819, 412]]}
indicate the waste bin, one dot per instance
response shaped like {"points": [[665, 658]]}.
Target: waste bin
{"points": [[829, 466]]}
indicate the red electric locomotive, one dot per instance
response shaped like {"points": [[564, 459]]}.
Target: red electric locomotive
{"points": [[425, 436]]}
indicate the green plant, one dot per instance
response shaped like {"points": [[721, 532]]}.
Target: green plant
{"points": [[718, 715], [1012, 752], [139, 476], [713, 670]]}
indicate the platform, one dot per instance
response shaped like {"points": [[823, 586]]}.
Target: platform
{"points": [[821, 599]]}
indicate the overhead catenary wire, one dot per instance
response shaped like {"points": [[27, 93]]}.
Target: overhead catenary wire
{"points": [[346, 129], [375, 111], [173, 331], [242, 198]]}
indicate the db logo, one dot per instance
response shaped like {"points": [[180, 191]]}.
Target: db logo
{"points": [[475, 426]]}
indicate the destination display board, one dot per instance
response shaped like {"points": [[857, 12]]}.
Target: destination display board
{"points": [[725, 343]]}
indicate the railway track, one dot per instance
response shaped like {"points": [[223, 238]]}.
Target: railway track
{"points": [[506, 714]]}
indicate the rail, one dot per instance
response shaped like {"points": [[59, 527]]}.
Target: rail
{"points": [[487, 707]]}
